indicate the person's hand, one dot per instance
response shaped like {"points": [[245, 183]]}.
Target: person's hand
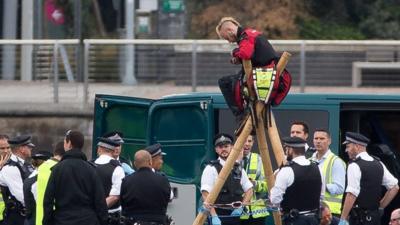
{"points": [[343, 222], [235, 60], [237, 212], [215, 220], [4, 158], [207, 206], [234, 51]]}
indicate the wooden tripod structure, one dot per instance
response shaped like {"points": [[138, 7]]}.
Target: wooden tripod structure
{"points": [[262, 144]]}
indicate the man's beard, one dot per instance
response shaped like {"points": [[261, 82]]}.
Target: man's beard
{"points": [[289, 157]]}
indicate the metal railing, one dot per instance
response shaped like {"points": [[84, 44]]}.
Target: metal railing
{"points": [[199, 62]]}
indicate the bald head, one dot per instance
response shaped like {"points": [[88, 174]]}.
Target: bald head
{"points": [[142, 159], [395, 214]]}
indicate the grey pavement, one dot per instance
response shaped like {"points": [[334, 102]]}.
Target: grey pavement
{"points": [[38, 96]]}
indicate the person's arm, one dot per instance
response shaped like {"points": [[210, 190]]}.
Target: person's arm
{"points": [[338, 178], [246, 48], [12, 179], [348, 204], [260, 184], [388, 197], [204, 194], [116, 180], [247, 196], [284, 179], [100, 205]]}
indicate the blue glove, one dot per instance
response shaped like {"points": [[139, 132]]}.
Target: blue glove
{"points": [[237, 212], [343, 222], [127, 169], [215, 220]]}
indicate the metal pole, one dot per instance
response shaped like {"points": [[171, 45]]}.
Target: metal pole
{"points": [[86, 74], [194, 66], [55, 71], [129, 77], [27, 33], [9, 32], [78, 35], [303, 67]]}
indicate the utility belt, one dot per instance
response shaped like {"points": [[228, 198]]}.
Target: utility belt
{"points": [[137, 221], [114, 218], [363, 215], [293, 214], [14, 206]]}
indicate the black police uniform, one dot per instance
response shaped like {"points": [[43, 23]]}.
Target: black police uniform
{"points": [[105, 172], [74, 193], [301, 209], [365, 210], [30, 203], [144, 197], [231, 191], [15, 209]]}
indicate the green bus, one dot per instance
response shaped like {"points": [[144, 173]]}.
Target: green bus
{"points": [[185, 124]]}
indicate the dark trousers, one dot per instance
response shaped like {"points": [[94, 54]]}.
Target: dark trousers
{"points": [[301, 220], [14, 218], [253, 221], [369, 218]]}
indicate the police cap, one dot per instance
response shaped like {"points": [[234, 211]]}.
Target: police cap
{"points": [[356, 138], [44, 155], [108, 143], [115, 135], [155, 150], [222, 139], [294, 142], [21, 140]]}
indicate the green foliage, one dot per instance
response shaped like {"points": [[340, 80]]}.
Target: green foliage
{"points": [[314, 29]]}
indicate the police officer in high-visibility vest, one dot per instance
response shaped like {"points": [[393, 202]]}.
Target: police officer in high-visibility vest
{"points": [[44, 172], [298, 185], [333, 170], [111, 175], [14, 172], [365, 177], [256, 212]]}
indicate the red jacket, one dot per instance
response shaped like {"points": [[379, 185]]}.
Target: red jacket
{"points": [[254, 46]]}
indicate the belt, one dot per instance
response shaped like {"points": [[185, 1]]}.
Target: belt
{"points": [[294, 213]]}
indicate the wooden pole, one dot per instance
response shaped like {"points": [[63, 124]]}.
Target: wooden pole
{"points": [[276, 144], [264, 153], [226, 169]]}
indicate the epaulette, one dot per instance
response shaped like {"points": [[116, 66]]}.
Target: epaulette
{"points": [[287, 164], [376, 158], [355, 160], [115, 162], [214, 162]]}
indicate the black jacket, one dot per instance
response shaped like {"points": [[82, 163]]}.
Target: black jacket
{"points": [[76, 193], [145, 196], [30, 203]]}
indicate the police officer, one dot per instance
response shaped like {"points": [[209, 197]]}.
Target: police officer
{"points": [[252, 164], [145, 194], [298, 176], [365, 176], [111, 175], [5, 153], [156, 156], [44, 172], [14, 172], [118, 137], [74, 193], [237, 187], [29, 187]]}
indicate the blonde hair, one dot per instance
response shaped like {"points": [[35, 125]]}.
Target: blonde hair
{"points": [[224, 20]]}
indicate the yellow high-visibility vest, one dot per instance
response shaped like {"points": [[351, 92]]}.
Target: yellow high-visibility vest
{"points": [[334, 201], [43, 176], [254, 171], [2, 207]]}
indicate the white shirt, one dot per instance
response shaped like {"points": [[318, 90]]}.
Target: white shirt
{"points": [[285, 178], [34, 185], [354, 176], [11, 177], [117, 175], [210, 174]]}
